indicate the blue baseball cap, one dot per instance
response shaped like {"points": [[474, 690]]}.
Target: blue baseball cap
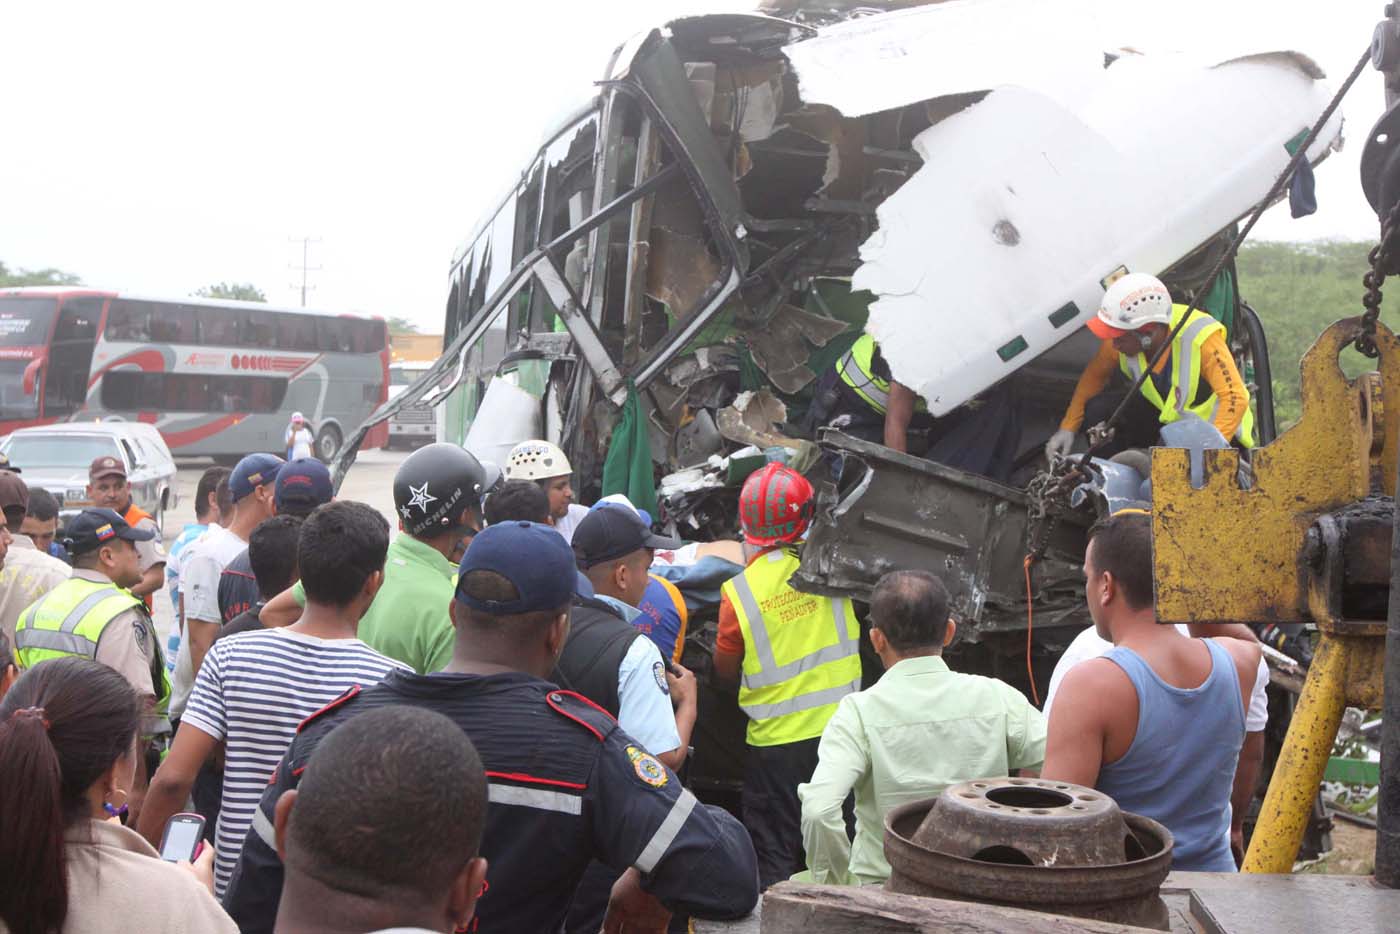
{"points": [[302, 485], [532, 556], [90, 529], [253, 471]]}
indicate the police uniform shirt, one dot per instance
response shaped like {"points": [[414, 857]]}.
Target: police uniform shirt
{"points": [[566, 785], [125, 646], [28, 574]]}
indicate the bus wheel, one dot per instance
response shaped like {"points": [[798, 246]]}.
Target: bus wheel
{"points": [[328, 443]]}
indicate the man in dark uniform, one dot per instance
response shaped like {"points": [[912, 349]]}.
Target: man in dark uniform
{"points": [[566, 785]]}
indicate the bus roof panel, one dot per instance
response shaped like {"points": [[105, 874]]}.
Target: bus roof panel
{"points": [[67, 290]]}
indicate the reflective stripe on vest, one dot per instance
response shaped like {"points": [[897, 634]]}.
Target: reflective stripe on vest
{"points": [[46, 639], [70, 620], [62, 638], [854, 370], [789, 691], [1186, 375]]}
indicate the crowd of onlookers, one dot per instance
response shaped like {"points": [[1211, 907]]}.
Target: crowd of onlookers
{"points": [[479, 720]]}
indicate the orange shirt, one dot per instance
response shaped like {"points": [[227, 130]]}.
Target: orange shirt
{"points": [[729, 638], [1217, 369]]}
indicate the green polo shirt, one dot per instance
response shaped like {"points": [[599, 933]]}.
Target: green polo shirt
{"points": [[409, 619]]}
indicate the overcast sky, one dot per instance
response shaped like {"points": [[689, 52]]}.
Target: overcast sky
{"points": [[158, 147]]}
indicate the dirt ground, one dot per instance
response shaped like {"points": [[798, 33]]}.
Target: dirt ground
{"points": [[1353, 851]]}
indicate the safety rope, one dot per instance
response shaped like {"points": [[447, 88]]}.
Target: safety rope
{"points": [[1104, 431]]}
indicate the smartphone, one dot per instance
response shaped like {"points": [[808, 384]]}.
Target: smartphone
{"points": [[183, 834]]}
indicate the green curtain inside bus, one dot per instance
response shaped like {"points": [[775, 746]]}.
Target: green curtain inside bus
{"points": [[628, 468]]}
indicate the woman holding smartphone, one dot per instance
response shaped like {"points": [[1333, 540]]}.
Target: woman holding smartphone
{"points": [[68, 746]]}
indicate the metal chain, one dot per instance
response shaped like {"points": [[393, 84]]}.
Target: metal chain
{"points": [[1380, 258]]}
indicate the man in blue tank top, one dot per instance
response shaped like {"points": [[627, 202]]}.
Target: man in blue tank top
{"points": [[1157, 722]]}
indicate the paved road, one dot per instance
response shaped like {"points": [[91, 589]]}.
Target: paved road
{"points": [[369, 481]]}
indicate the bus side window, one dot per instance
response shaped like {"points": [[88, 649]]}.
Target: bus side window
{"points": [[332, 335], [220, 326], [128, 321], [295, 332], [262, 329], [369, 336], [173, 324]]}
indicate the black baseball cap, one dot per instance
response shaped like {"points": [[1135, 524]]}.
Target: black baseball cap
{"points": [[613, 531], [93, 528], [532, 556]]}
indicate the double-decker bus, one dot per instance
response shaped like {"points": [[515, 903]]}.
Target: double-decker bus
{"points": [[217, 378]]}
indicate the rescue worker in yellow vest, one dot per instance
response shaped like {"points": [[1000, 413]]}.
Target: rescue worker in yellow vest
{"points": [[1197, 375], [861, 398], [794, 655], [108, 488], [94, 615]]}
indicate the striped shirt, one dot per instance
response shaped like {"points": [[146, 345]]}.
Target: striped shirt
{"points": [[252, 691]]}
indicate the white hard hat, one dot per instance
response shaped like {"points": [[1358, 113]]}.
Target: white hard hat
{"points": [[536, 460], [1135, 300]]}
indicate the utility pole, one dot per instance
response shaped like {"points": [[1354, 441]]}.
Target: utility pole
{"points": [[304, 268]]}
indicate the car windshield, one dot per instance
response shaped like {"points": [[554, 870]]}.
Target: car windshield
{"points": [[71, 451]]}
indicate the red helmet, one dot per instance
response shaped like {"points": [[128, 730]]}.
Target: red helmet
{"points": [[775, 505]]}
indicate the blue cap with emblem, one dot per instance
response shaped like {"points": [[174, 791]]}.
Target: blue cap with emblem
{"points": [[533, 557], [253, 471], [90, 529]]}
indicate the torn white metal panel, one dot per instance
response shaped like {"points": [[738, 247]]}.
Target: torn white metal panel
{"points": [[1023, 205], [875, 63], [507, 416]]}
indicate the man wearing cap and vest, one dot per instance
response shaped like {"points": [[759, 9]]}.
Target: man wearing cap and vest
{"points": [[95, 615], [1196, 376], [108, 488], [795, 655]]}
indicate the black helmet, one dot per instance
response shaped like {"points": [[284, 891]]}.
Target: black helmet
{"points": [[434, 485]]}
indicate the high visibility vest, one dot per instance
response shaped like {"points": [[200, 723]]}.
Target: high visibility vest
{"points": [[856, 370], [135, 514], [801, 652], [1186, 375], [69, 620]]}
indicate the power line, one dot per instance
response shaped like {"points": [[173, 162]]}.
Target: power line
{"points": [[304, 268]]}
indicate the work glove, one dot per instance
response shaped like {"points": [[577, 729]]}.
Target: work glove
{"points": [[1059, 445]]}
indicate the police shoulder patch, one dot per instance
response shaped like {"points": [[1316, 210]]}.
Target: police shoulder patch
{"points": [[647, 767], [138, 628], [658, 670]]}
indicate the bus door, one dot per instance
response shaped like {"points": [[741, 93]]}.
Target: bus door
{"points": [[70, 356]]}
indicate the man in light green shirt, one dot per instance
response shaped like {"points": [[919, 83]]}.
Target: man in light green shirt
{"points": [[920, 729]]}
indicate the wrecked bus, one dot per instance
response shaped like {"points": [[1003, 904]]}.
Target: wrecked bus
{"points": [[744, 195]]}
